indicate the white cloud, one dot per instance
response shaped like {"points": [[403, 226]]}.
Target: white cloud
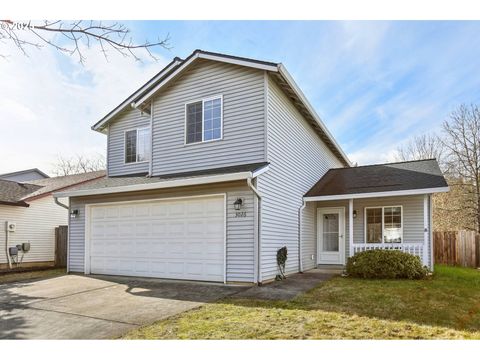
{"points": [[49, 101]]}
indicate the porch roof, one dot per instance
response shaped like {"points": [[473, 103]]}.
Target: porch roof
{"points": [[392, 179]]}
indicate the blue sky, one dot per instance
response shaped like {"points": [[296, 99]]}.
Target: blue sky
{"points": [[375, 84]]}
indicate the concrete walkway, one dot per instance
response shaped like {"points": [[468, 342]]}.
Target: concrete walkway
{"points": [[287, 289], [80, 307], [105, 307]]}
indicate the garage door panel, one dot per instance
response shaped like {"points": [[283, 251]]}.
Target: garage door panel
{"points": [[180, 239]]}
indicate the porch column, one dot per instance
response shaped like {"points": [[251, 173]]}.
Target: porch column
{"points": [[350, 227], [426, 230]]}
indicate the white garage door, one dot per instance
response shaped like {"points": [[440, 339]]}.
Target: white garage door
{"points": [[176, 239]]}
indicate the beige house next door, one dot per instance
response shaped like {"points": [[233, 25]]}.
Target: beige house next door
{"points": [[331, 236]]}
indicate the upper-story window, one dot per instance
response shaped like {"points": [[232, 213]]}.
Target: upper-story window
{"points": [[137, 145], [204, 120]]}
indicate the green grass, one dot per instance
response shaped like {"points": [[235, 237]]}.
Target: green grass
{"points": [[446, 306], [29, 275]]}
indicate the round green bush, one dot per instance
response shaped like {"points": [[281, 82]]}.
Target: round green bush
{"points": [[386, 264]]}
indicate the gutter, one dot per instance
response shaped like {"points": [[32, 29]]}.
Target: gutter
{"points": [[197, 180], [258, 267]]}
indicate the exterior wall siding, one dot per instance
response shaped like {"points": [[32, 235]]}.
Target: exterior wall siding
{"points": [[413, 227], [240, 231], [25, 177], [35, 224], [309, 237], [298, 159], [243, 119], [129, 119]]}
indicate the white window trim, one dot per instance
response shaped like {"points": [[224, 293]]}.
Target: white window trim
{"points": [[203, 100], [383, 223], [125, 147]]}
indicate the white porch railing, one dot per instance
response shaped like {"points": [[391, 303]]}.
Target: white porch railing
{"points": [[413, 249]]}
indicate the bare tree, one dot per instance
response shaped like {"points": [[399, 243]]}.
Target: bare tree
{"points": [[426, 146], [462, 144], [78, 164], [110, 37]]}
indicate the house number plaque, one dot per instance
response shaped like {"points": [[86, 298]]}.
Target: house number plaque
{"points": [[240, 214]]}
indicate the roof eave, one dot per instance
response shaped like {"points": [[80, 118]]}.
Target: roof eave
{"points": [[15, 203], [298, 92], [377, 194], [198, 54], [100, 125], [199, 180]]}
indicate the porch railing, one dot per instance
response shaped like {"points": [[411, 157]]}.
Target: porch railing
{"points": [[414, 248]]}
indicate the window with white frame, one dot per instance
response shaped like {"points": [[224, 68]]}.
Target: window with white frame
{"points": [[204, 120], [383, 225], [137, 145]]}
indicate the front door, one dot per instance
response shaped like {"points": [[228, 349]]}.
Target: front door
{"points": [[331, 236]]}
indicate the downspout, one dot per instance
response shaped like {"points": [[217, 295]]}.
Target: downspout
{"points": [[300, 254], [60, 204], [259, 197], [6, 245], [150, 165]]}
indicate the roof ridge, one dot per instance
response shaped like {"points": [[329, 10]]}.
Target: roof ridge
{"points": [[383, 164]]}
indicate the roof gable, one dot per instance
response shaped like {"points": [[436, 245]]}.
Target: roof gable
{"points": [[140, 98]]}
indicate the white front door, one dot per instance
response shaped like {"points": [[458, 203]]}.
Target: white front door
{"points": [[331, 236]]}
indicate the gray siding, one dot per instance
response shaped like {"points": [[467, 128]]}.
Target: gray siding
{"points": [[25, 177], [413, 227], [298, 159], [243, 119], [240, 231], [129, 119], [309, 237]]}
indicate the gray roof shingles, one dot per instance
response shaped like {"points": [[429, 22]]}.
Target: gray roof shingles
{"points": [[14, 193], [112, 182], [408, 175]]}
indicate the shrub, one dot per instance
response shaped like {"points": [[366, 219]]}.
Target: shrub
{"points": [[282, 255], [386, 264]]}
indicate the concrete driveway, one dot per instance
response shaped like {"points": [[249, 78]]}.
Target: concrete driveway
{"points": [[100, 307]]}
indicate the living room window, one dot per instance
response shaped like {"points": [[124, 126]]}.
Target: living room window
{"points": [[137, 145], [383, 225], [204, 120]]}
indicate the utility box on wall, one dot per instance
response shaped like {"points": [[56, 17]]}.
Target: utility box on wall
{"points": [[11, 226]]}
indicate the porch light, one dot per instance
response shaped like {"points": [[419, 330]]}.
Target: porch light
{"points": [[354, 214], [238, 204], [74, 213]]}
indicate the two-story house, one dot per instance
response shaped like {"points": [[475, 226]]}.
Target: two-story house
{"points": [[217, 162]]}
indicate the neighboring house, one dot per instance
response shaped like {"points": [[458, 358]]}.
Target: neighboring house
{"points": [[35, 215], [217, 162], [24, 175]]}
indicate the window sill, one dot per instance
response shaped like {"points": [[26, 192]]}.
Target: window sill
{"points": [[136, 162], [202, 142]]}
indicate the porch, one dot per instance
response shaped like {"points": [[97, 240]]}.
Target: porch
{"points": [[351, 210]]}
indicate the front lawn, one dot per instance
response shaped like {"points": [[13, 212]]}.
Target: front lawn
{"points": [[29, 275], [446, 306]]}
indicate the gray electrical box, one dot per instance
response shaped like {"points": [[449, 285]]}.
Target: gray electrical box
{"points": [[13, 251], [26, 247]]}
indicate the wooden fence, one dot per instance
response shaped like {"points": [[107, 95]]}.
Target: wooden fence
{"points": [[461, 248], [61, 234]]}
